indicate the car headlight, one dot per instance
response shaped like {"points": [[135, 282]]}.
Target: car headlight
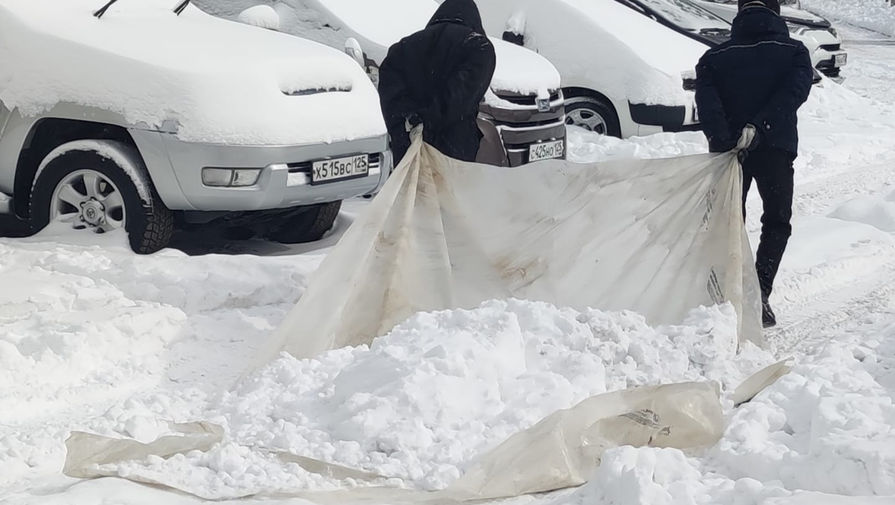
{"points": [[835, 32], [794, 28]]}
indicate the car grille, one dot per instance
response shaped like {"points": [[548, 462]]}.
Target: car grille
{"points": [[524, 99], [304, 167], [831, 47]]}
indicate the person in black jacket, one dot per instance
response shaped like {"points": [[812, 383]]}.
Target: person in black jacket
{"points": [[438, 77], [760, 77]]}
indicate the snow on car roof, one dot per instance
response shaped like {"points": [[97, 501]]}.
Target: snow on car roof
{"points": [[220, 81]]}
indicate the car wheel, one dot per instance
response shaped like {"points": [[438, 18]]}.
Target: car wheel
{"points": [[592, 114], [308, 225], [100, 186]]}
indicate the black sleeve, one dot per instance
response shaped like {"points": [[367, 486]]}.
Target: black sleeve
{"points": [[468, 83], [791, 94], [395, 95], [710, 109]]}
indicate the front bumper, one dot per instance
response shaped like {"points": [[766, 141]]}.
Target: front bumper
{"points": [[670, 118], [520, 124], [830, 62], [176, 170]]}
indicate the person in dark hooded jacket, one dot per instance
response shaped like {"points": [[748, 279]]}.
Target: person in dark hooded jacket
{"points": [[760, 77], [438, 77]]}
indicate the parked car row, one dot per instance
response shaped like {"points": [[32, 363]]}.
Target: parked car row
{"points": [[273, 125]]}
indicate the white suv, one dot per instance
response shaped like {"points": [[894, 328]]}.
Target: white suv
{"points": [[139, 115]]}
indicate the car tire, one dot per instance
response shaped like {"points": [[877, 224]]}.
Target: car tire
{"points": [[309, 225], [121, 194], [593, 114]]}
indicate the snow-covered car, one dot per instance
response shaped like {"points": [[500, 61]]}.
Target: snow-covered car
{"points": [[523, 115], [137, 115], [621, 71], [818, 34], [686, 18]]}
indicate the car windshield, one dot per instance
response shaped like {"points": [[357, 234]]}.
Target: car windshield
{"points": [[687, 15]]}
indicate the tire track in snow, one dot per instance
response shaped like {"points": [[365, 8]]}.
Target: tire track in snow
{"points": [[834, 296]]}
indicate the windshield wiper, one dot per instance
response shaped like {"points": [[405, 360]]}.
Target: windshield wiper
{"points": [[103, 9], [177, 10], [180, 7]]}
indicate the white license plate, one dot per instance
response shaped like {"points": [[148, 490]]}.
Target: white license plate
{"points": [[546, 151], [839, 60], [340, 168]]}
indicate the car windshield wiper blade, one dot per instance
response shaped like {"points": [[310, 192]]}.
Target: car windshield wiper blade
{"points": [[181, 6], [103, 9]]}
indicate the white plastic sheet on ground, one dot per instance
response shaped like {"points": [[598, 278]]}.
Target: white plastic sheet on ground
{"points": [[658, 237], [559, 452]]}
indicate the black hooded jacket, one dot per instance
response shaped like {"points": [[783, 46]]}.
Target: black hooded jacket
{"points": [[439, 76], [760, 77]]}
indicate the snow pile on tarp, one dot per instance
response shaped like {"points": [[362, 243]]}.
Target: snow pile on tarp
{"points": [[215, 80], [877, 15], [658, 237]]}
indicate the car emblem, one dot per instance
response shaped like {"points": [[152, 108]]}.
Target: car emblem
{"points": [[543, 105]]}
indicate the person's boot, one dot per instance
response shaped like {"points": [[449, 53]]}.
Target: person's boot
{"points": [[768, 319]]}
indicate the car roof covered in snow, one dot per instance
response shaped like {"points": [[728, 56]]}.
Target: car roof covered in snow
{"points": [[220, 81]]}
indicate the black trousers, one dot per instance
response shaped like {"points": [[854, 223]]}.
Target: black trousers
{"points": [[772, 171]]}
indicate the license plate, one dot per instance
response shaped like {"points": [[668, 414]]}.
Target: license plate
{"points": [[339, 168], [546, 151], [839, 60]]}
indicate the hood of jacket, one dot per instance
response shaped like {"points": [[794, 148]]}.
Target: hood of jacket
{"points": [[758, 23], [462, 12]]}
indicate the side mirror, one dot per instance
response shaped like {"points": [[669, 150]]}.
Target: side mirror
{"points": [[353, 49], [689, 79]]}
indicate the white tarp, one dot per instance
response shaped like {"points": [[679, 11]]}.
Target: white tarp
{"points": [[659, 237], [559, 452]]}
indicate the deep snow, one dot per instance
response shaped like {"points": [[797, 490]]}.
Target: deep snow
{"points": [[95, 338]]}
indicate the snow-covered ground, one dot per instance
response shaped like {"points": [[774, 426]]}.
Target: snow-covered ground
{"points": [[95, 338], [876, 15]]}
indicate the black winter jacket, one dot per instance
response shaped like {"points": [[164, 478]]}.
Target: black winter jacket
{"points": [[760, 76], [439, 75]]}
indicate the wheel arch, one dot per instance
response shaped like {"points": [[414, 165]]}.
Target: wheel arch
{"points": [[47, 134], [580, 92]]}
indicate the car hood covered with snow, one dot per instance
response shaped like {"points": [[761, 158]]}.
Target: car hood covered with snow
{"points": [[375, 26], [802, 16], [213, 80], [728, 11]]}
